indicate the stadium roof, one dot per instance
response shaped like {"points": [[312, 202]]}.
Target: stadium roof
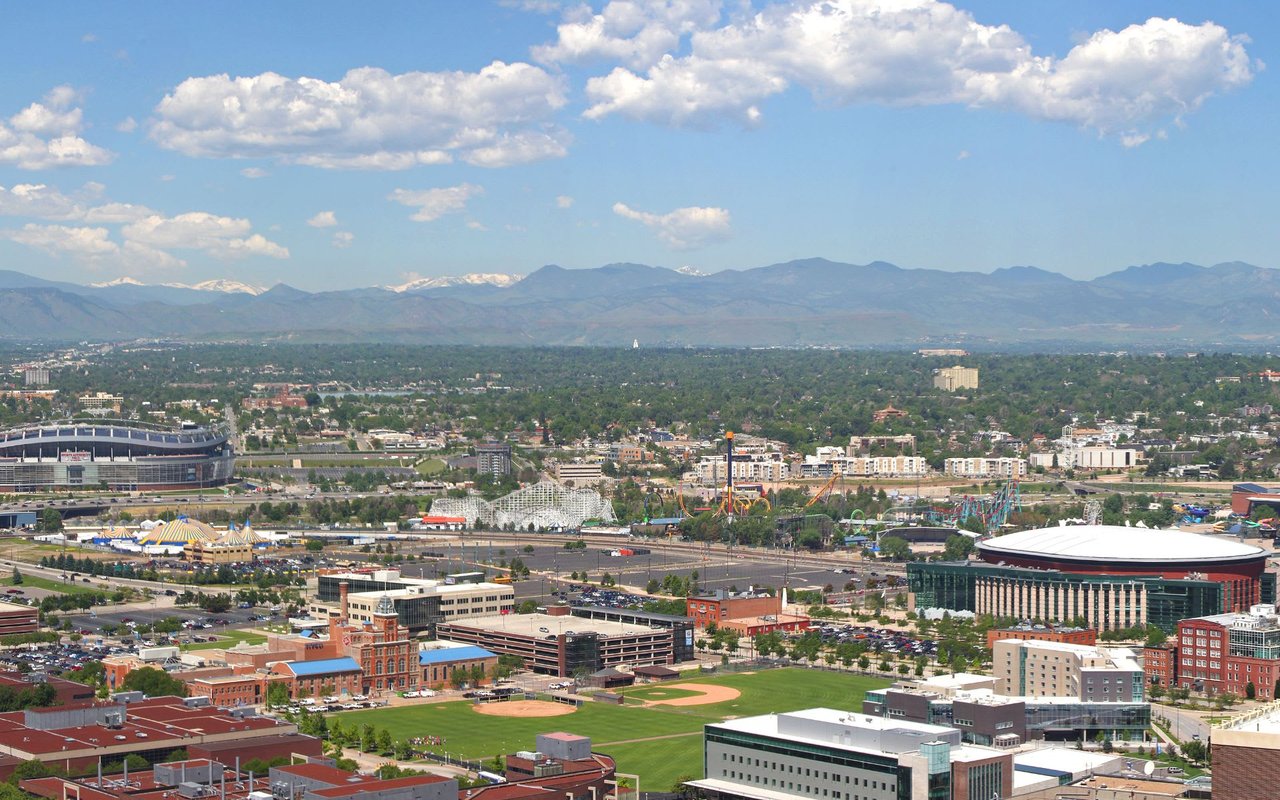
{"points": [[1117, 543], [323, 666]]}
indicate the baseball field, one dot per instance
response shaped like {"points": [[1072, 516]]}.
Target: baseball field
{"points": [[656, 734]]}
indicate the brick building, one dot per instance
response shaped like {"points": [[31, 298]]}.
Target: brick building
{"points": [[722, 605], [18, 618], [1224, 653], [1044, 633]]}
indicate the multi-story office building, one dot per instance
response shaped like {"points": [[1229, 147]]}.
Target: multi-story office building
{"points": [[1057, 669], [826, 754], [968, 703], [419, 603], [580, 473]]}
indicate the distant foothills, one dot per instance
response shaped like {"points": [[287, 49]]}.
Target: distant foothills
{"points": [[806, 303]]}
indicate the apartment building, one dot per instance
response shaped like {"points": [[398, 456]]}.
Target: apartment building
{"points": [[1223, 653], [986, 468]]}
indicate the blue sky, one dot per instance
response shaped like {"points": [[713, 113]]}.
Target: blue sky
{"points": [[332, 145]]}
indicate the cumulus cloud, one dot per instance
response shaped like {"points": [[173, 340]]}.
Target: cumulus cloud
{"points": [[221, 237], [633, 32], [40, 201], [127, 125], [370, 119], [253, 173], [564, 201], [684, 228], [343, 238], [323, 219], [435, 203], [46, 134], [925, 52]]}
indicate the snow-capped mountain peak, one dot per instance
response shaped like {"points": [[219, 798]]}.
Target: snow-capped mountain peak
{"points": [[499, 279], [123, 281], [224, 285]]}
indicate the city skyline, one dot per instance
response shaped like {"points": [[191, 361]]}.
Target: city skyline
{"points": [[362, 146]]}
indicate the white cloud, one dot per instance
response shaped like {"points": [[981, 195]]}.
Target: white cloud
{"points": [[476, 225], [221, 237], [343, 238], [117, 213], [323, 219], [253, 173], [369, 119], [82, 242], [962, 155], [683, 228], [46, 134], [564, 201], [89, 37], [127, 125], [435, 203], [39, 201], [633, 32], [924, 52]]}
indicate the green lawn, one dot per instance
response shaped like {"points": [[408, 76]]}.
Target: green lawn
{"points": [[227, 639], [35, 582], [657, 762], [430, 466], [659, 693]]}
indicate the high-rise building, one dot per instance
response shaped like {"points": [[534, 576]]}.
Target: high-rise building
{"points": [[950, 379], [35, 376], [493, 458]]}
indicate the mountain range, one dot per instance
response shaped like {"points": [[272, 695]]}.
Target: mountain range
{"points": [[804, 303]]}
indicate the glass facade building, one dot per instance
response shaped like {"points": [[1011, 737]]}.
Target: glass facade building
{"points": [[1104, 602]]}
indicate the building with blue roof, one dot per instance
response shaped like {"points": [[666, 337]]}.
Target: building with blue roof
{"points": [[443, 659], [325, 676]]}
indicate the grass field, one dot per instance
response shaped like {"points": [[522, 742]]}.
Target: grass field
{"points": [[658, 693], [227, 639], [430, 466], [626, 732], [32, 581]]}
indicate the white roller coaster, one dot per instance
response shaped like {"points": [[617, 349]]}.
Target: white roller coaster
{"points": [[545, 505]]}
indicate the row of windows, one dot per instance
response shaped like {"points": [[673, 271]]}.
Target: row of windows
{"points": [[792, 786], [809, 772]]}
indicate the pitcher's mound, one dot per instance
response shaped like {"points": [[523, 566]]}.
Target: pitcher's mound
{"points": [[524, 708]]}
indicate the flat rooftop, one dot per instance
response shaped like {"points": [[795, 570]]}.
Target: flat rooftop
{"points": [[547, 625]]}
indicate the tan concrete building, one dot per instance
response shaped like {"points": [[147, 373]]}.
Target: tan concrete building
{"points": [[949, 379], [1026, 668]]}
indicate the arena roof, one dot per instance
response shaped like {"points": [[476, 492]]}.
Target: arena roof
{"points": [[1117, 543]]}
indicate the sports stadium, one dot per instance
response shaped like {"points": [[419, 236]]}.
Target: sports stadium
{"points": [[131, 456], [1110, 577]]}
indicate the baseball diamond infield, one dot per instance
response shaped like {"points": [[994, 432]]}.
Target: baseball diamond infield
{"points": [[524, 708]]}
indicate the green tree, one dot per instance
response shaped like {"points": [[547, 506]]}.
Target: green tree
{"points": [[277, 694], [51, 520], [1250, 691], [153, 683], [17, 577]]}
